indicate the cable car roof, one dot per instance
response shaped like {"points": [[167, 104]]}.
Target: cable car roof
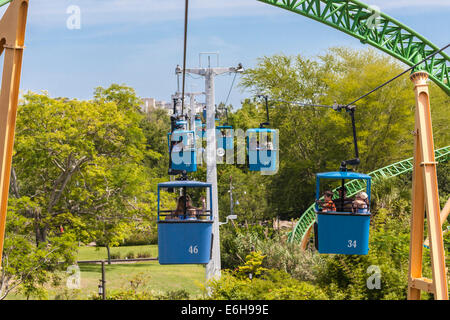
{"points": [[184, 183], [343, 175], [261, 130]]}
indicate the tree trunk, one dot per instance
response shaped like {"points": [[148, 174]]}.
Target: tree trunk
{"points": [[40, 231], [109, 254]]}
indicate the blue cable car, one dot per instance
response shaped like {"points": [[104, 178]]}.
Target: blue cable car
{"points": [[200, 129], [262, 149], [224, 136], [182, 151], [199, 126], [181, 124], [184, 240], [341, 232]]}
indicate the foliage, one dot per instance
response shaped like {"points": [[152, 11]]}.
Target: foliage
{"points": [[317, 139], [137, 290], [252, 266], [180, 294], [239, 242], [77, 175], [250, 201], [80, 164], [271, 284], [27, 266], [126, 295]]}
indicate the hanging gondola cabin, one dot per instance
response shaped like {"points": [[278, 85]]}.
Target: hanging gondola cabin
{"points": [[185, 231], [182, 125], [200, 128], [342, 225], [182, 150], [261, 149], [225, 139]]}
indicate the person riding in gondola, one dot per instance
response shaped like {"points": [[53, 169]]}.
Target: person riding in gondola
{"points": [[327, 204], [343, 204], [177, 146], [185, 209], [361, 203]]}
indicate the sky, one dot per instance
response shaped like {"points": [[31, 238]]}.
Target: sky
{"points": [[140, 42]]}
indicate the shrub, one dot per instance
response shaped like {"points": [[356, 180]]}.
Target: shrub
{"points": [[141, 237], [125, 295], [143, 255], [267, 284], [174, 295], [273, 285], [237, 243], [115, 255]]}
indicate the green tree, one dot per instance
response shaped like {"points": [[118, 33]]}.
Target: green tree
{"points": [[80, 163], [317, 139], [27, 267]]}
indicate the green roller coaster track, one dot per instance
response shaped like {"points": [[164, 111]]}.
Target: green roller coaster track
{"points": [[308, 218], [377, 29], [3, 2]]}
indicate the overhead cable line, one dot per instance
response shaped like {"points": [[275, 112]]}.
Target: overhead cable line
{"points": [[399, 75], [351, 104], [184, 53], [231, 88], [301, 104]]}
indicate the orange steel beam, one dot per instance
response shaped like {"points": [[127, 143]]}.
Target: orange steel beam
{"points": [[425, 197], [12, 38], [444, 214]]}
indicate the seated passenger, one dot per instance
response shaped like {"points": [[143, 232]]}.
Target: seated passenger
{"points": [[343, 204], [188, 212], [361, 203], [327, 204], [253, 144], [177, 146]]}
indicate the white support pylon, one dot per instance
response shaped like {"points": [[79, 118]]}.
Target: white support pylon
{"points": [[214, 266]]}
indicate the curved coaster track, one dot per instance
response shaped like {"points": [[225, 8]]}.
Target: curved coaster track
{"points": [[3, 2], [302, 229], [373, 27]]}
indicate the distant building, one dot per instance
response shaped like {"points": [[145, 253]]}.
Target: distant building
{"points": [[151, 103], [148, 104]]}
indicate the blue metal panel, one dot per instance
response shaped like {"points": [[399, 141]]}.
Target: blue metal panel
{"points": [[186, 159], [343, 175], [199, 128], [226, 141], [343, 233], [184, 183], [184, 242], [260, 158]]}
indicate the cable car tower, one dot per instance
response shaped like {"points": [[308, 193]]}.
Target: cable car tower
{"points": [[213, 268]]}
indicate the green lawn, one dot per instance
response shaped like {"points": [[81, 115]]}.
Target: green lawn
{"points": [[99, 253], [158, 277]]}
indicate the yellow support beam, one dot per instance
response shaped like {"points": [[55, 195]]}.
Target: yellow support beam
{"points": [[425, 198], [12, 39], [444, 214]]}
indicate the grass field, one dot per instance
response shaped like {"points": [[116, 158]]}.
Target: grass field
{"points": [[158, 278]]}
